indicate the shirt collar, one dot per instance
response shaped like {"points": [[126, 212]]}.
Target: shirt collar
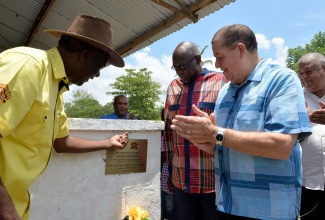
{"points": [[57, 64]]}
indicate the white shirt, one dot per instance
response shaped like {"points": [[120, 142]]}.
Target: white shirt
{"points": [[313, 150]]}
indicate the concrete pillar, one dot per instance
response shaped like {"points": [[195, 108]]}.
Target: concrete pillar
{"points": [[74, 186]]}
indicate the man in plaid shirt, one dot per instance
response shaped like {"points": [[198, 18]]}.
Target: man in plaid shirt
{"points": [[191, 169]]}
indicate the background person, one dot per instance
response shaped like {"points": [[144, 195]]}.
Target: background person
{"points": [[121, 108], [255, 134], [191, 169], [32, 117], [311, 71]]}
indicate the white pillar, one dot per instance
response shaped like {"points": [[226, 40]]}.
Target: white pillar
{"points": [[74, 186]]}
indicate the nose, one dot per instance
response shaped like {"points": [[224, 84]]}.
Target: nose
{"points": [[180, 72], [217, 65]]}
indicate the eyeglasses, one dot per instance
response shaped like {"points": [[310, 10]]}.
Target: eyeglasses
{"points": [[182, 66]]}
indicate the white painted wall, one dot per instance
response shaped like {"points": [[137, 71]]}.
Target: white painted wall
{"points": [[74, 186]]}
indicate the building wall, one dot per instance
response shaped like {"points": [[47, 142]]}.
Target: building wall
{"points": [[74, 186]]}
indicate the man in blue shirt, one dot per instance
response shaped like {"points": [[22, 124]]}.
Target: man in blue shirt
{"points": [[259, 118], [120, 109]]}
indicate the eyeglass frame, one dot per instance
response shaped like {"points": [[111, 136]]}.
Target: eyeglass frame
{"points": [[182, 66]]}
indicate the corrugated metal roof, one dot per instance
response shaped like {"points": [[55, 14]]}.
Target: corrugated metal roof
{"points": [[136, 23]]}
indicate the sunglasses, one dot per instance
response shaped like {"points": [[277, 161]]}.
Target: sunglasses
{"points": [[182, 66]]}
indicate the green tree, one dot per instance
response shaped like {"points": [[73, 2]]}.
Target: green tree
{"points": [[84, 105], [317, 44], [142, 92]]}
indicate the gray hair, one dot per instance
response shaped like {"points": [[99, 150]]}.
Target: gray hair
{"points": [[315, 57]]}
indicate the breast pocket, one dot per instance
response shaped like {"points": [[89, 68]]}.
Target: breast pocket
{"points": [[36, 126], [250, 121]]}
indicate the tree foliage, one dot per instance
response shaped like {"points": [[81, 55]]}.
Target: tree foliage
{"points": [[84, 105], [317, 44], [142, 92], [206, 62]]}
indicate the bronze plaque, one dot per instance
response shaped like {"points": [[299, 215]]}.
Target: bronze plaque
{"points": [[131, 159]]}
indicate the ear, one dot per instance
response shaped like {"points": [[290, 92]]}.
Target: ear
{"points": [[198, 59], [84, 55], [242, 49]]}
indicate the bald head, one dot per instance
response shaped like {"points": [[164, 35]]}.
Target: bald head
{"points": [[187, 61], [188, 48]]}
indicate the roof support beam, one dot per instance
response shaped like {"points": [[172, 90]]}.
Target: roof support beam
{"points": [[183, 12], [165, 24], [38, 21]]}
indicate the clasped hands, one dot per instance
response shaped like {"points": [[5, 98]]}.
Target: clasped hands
{"points": [[317, 116]]}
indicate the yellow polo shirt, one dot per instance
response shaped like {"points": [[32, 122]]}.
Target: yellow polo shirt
{"points": [[31, 117]]}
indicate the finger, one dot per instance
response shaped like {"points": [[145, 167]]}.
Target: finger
{"points": [[319, 112], [322, 104], [175, 128], [186, 119], [198, 112], [180, 126], [318, 117], [212, 117], [306, 104]]}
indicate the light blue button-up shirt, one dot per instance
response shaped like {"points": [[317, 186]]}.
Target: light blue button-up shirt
{"points": [[270, 100]]}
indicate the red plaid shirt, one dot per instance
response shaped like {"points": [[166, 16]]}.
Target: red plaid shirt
{"points": [[192, 168]]}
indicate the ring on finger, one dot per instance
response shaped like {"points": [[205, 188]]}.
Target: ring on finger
{"points": [[188, 132]]}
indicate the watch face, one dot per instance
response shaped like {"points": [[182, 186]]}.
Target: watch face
{"points": [[219, 137]]}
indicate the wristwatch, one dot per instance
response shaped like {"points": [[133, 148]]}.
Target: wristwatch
{"points": [[219, 137]]}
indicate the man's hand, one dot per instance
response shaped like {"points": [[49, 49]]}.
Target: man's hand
{"points": [[198, 129], [317, 116], [131, 116], [119, 141]]}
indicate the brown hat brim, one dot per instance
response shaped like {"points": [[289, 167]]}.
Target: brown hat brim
{"points": [[115, 59]]}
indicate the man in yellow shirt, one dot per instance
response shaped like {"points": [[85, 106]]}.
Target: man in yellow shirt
{"points": [[32, 117]]}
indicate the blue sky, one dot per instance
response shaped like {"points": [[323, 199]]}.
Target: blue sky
{"points": [[278, 25]]}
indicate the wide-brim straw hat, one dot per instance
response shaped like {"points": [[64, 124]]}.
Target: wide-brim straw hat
{"points": [[95, 32]]}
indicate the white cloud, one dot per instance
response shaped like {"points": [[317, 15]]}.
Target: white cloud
{"points": [[300, 24], [263, 42], [275, 45], [281, 51], [160, 68]]}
